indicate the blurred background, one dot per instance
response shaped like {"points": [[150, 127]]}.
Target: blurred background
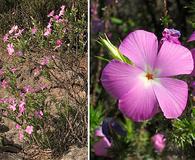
{"points": [[117, 18]]}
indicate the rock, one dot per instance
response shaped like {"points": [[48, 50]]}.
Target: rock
{"points": [[76, 153], [10, 156]]}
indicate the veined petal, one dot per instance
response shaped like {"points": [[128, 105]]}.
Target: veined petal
{"points": [[193, 55], [172, 96], [173, 60], [118, 78], [141, 48], [140, 102], [192, 37]]}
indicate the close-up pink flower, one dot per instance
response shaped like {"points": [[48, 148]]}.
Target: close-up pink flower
{"points": [[159, 142], [10, 49], [62, 10], [148, 86]]}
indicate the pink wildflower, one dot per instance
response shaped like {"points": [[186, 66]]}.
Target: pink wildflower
{"points": [[48, 32], [39, 114], [10, 49], [22, 107], [20, 136], [58, 43], [51, 14], [44, 61], [62, 10], [4, 84], [158, 141], [192, 38], [19, 33], [37, 71], [18, 126], [28, 89], [13, 70], [56, 17], [29, 130], [13, 29], [147, 85], [33, 30], [5, 38], [12, 106]]}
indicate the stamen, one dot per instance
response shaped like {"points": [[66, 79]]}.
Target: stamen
{"points": [[149, 76]]}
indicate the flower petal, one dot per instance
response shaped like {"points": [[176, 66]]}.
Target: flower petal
{"points": [[172, 96], [118, 78], [101, 147], [192, 37], [141, 48], [140, 102], [193, 55], [173, 60]]}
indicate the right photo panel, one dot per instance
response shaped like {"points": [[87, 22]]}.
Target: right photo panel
{"points": [[142, 80]]}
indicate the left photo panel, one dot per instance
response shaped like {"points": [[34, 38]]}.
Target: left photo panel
{"points": [[43, 80]]}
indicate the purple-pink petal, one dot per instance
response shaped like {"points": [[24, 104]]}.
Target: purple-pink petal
{"points": [[173, 60], [141, 48], [118, 78], [140, 102], [192, 37], [101, 147], [193, 55], [171, 95]]}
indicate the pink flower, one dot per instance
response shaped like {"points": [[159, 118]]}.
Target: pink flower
{"points": [[4, 84], [146, 85], [48, 32], [159, 142], [56, 17], [19, 33], [39, 114], [13, 70], [13, 29], [5, 38], [37, 71], [44, 61], [10, 49], [62, 10], [171, 35], [58, 43], [28, 89], [20, 136], [51, 14], [101, 147], [12, 106], [18, 126], [29, 130], [22, 107], [33, 30]]}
